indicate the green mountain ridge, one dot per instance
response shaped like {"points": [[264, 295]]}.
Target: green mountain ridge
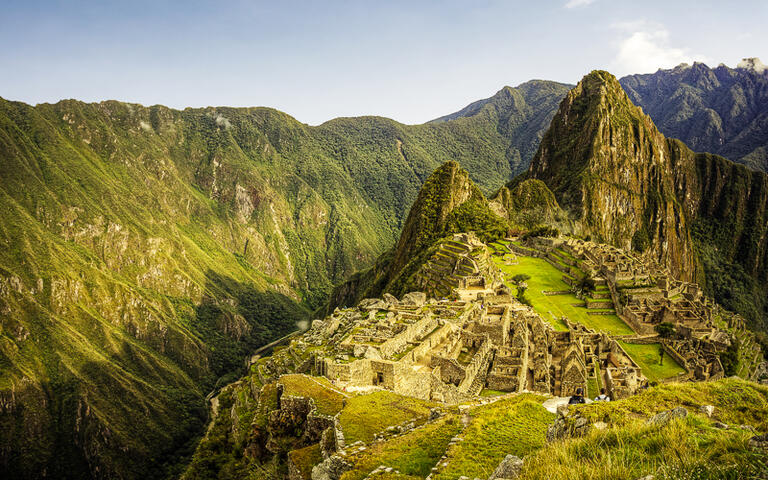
{"points": [[147, 251]]}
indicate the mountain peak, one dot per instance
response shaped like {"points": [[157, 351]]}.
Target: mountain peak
{"points": [[752, 64]]}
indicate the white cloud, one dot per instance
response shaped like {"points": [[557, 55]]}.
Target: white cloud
{"points": [[645, 48], [578, 3]]}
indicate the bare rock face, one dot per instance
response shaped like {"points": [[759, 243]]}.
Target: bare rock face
{"points": [[667, 416], [509, 468], [625, 184]]}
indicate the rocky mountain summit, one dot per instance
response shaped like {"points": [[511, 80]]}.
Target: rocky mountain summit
{"points": [[719, 110], [625, 184]]}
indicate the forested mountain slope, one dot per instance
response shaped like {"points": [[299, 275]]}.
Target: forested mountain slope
{"points": [[146, 251]]}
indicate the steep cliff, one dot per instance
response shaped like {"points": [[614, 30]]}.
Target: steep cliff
{"points": [[624, 183]]}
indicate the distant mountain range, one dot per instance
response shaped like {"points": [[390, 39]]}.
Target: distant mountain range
{"points": [[719, 110], [145, 251]]}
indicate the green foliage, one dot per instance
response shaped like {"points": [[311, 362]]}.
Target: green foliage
{"points": [[514, 426], [366, 415], [475, 216], [413, 454], [655, 367], [132, 221], [665, 329], [545, 277], [543, 231], [687, 104], [730, 358], [641, 241]]}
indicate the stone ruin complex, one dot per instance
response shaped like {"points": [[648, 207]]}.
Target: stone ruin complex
{"points": [[469, 333]]}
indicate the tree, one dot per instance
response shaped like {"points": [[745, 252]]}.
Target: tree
{"points": [[665, 329], [520, 278], [585, 284]]}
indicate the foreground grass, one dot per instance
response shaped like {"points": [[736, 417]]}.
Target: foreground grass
{"points": [[647, 357], [684, 449], [366, 415], [516, 425], [413, 454], [545, 277]]}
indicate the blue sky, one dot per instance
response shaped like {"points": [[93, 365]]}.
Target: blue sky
{"points": [[316, 60]]}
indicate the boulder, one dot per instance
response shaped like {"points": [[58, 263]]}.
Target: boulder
{"points": [[415, 299], [332, 468], [707, 410], [759, 442], [372, 304], [509, 468], [720, 425], [390, 299], [667, 416]]}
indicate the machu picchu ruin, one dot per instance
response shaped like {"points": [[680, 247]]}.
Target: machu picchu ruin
{"points": [[467, 332]]}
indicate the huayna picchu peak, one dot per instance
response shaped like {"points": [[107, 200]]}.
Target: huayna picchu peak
{"points": [[560, 280]]}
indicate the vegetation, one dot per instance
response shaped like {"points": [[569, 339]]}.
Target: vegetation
{"points": [[514, 426], [689, 448], [413, 454], [151, 249], [655, 367], [680, 98], [545, 277], [665, 329], [327, 399], [367, 415]]}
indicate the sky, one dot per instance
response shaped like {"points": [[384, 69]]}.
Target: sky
{"points": [[316, 60]]}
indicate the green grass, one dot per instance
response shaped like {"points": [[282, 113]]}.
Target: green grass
{"points": [[687, 449], [487, 392], [366, 415], [545, 277], [593, 389], [516, 425], [413, 454], [306, 458], [647, 357], [328, 401], [683, 449]]}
